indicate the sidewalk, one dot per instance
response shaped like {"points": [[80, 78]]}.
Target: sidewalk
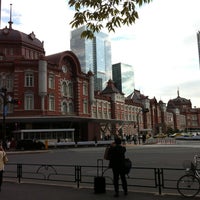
{"points": [[29, 191]]}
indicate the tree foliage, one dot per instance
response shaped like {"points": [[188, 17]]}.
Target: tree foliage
{"points": [[99, 14]]}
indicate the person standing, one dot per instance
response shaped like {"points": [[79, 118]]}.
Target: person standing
{"points": [[3, 159], [117, 160]]}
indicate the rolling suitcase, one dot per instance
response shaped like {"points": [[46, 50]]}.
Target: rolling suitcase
{"points": [[99, 180]]}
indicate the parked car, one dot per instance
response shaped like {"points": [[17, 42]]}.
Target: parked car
{"points": [[30, 145]]}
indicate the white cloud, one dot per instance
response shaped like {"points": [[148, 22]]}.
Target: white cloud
{"points": [[161, 45], [48, 19], [163, 49]]}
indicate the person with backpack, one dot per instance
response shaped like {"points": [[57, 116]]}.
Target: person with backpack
{"points": [[117, 163]]}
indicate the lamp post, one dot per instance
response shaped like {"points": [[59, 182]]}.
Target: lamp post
{"points": [[143, 110], [6, 99], [138, 125]]}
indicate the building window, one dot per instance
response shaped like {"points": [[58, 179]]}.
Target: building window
{"points": [[29, 102], [67, 107], [29, 79], [64, 88], [67, 89], [70, 86], [85, 88], [9, 83], [85, 106], [51, 103], [194, 117], [51, 81], [194, 123], [64, 107], [71, 107]]}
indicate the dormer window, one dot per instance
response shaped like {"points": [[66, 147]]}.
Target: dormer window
{"points": [[32, 35], [6, 30]]}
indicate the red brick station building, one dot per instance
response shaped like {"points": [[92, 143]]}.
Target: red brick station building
{"points": [[54, 93]]}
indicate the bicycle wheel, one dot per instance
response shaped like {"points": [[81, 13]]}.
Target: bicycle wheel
{"points": [[188, 185]]}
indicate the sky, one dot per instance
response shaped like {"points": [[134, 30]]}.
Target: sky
{"points": [[161, 45]]}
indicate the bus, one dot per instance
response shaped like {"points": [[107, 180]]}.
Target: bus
{"points": [[50, 135]]}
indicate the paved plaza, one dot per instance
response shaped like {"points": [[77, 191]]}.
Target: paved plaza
{"points": [[28, 191]]}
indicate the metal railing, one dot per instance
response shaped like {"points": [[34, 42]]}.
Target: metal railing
{"points": [[140, 178]]}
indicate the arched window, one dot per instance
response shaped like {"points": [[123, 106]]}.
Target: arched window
{"points": [[70, 86], [64, 88], [67, 88]]}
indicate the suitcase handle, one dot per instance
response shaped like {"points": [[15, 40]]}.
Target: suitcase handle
{"points": [[99, 166]]}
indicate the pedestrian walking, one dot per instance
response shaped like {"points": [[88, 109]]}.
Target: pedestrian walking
{"points": [[3, 160], [117, 163]]}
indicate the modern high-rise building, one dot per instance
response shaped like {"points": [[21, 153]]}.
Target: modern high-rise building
{"points": [[94, 55], [123, 76]]}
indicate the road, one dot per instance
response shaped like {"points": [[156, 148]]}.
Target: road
{"points": [[141, 155]]}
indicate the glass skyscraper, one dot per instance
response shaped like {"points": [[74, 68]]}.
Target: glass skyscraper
{"points": [[123, 77], [93, 54]]}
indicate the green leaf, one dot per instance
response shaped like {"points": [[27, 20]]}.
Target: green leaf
{"points": [[99, 14]]}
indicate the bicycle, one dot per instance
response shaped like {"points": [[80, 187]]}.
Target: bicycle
{"points": [[188, 185]]}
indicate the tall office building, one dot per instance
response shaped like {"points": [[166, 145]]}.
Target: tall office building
{"points": [[123, 76], [93, 54]]}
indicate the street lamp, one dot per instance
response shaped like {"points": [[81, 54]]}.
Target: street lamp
{"points": [[138, 125], [143, 110], [6, 99]]}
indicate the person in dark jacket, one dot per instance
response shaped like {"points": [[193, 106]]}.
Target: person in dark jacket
{"points": [[117, 159]]}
